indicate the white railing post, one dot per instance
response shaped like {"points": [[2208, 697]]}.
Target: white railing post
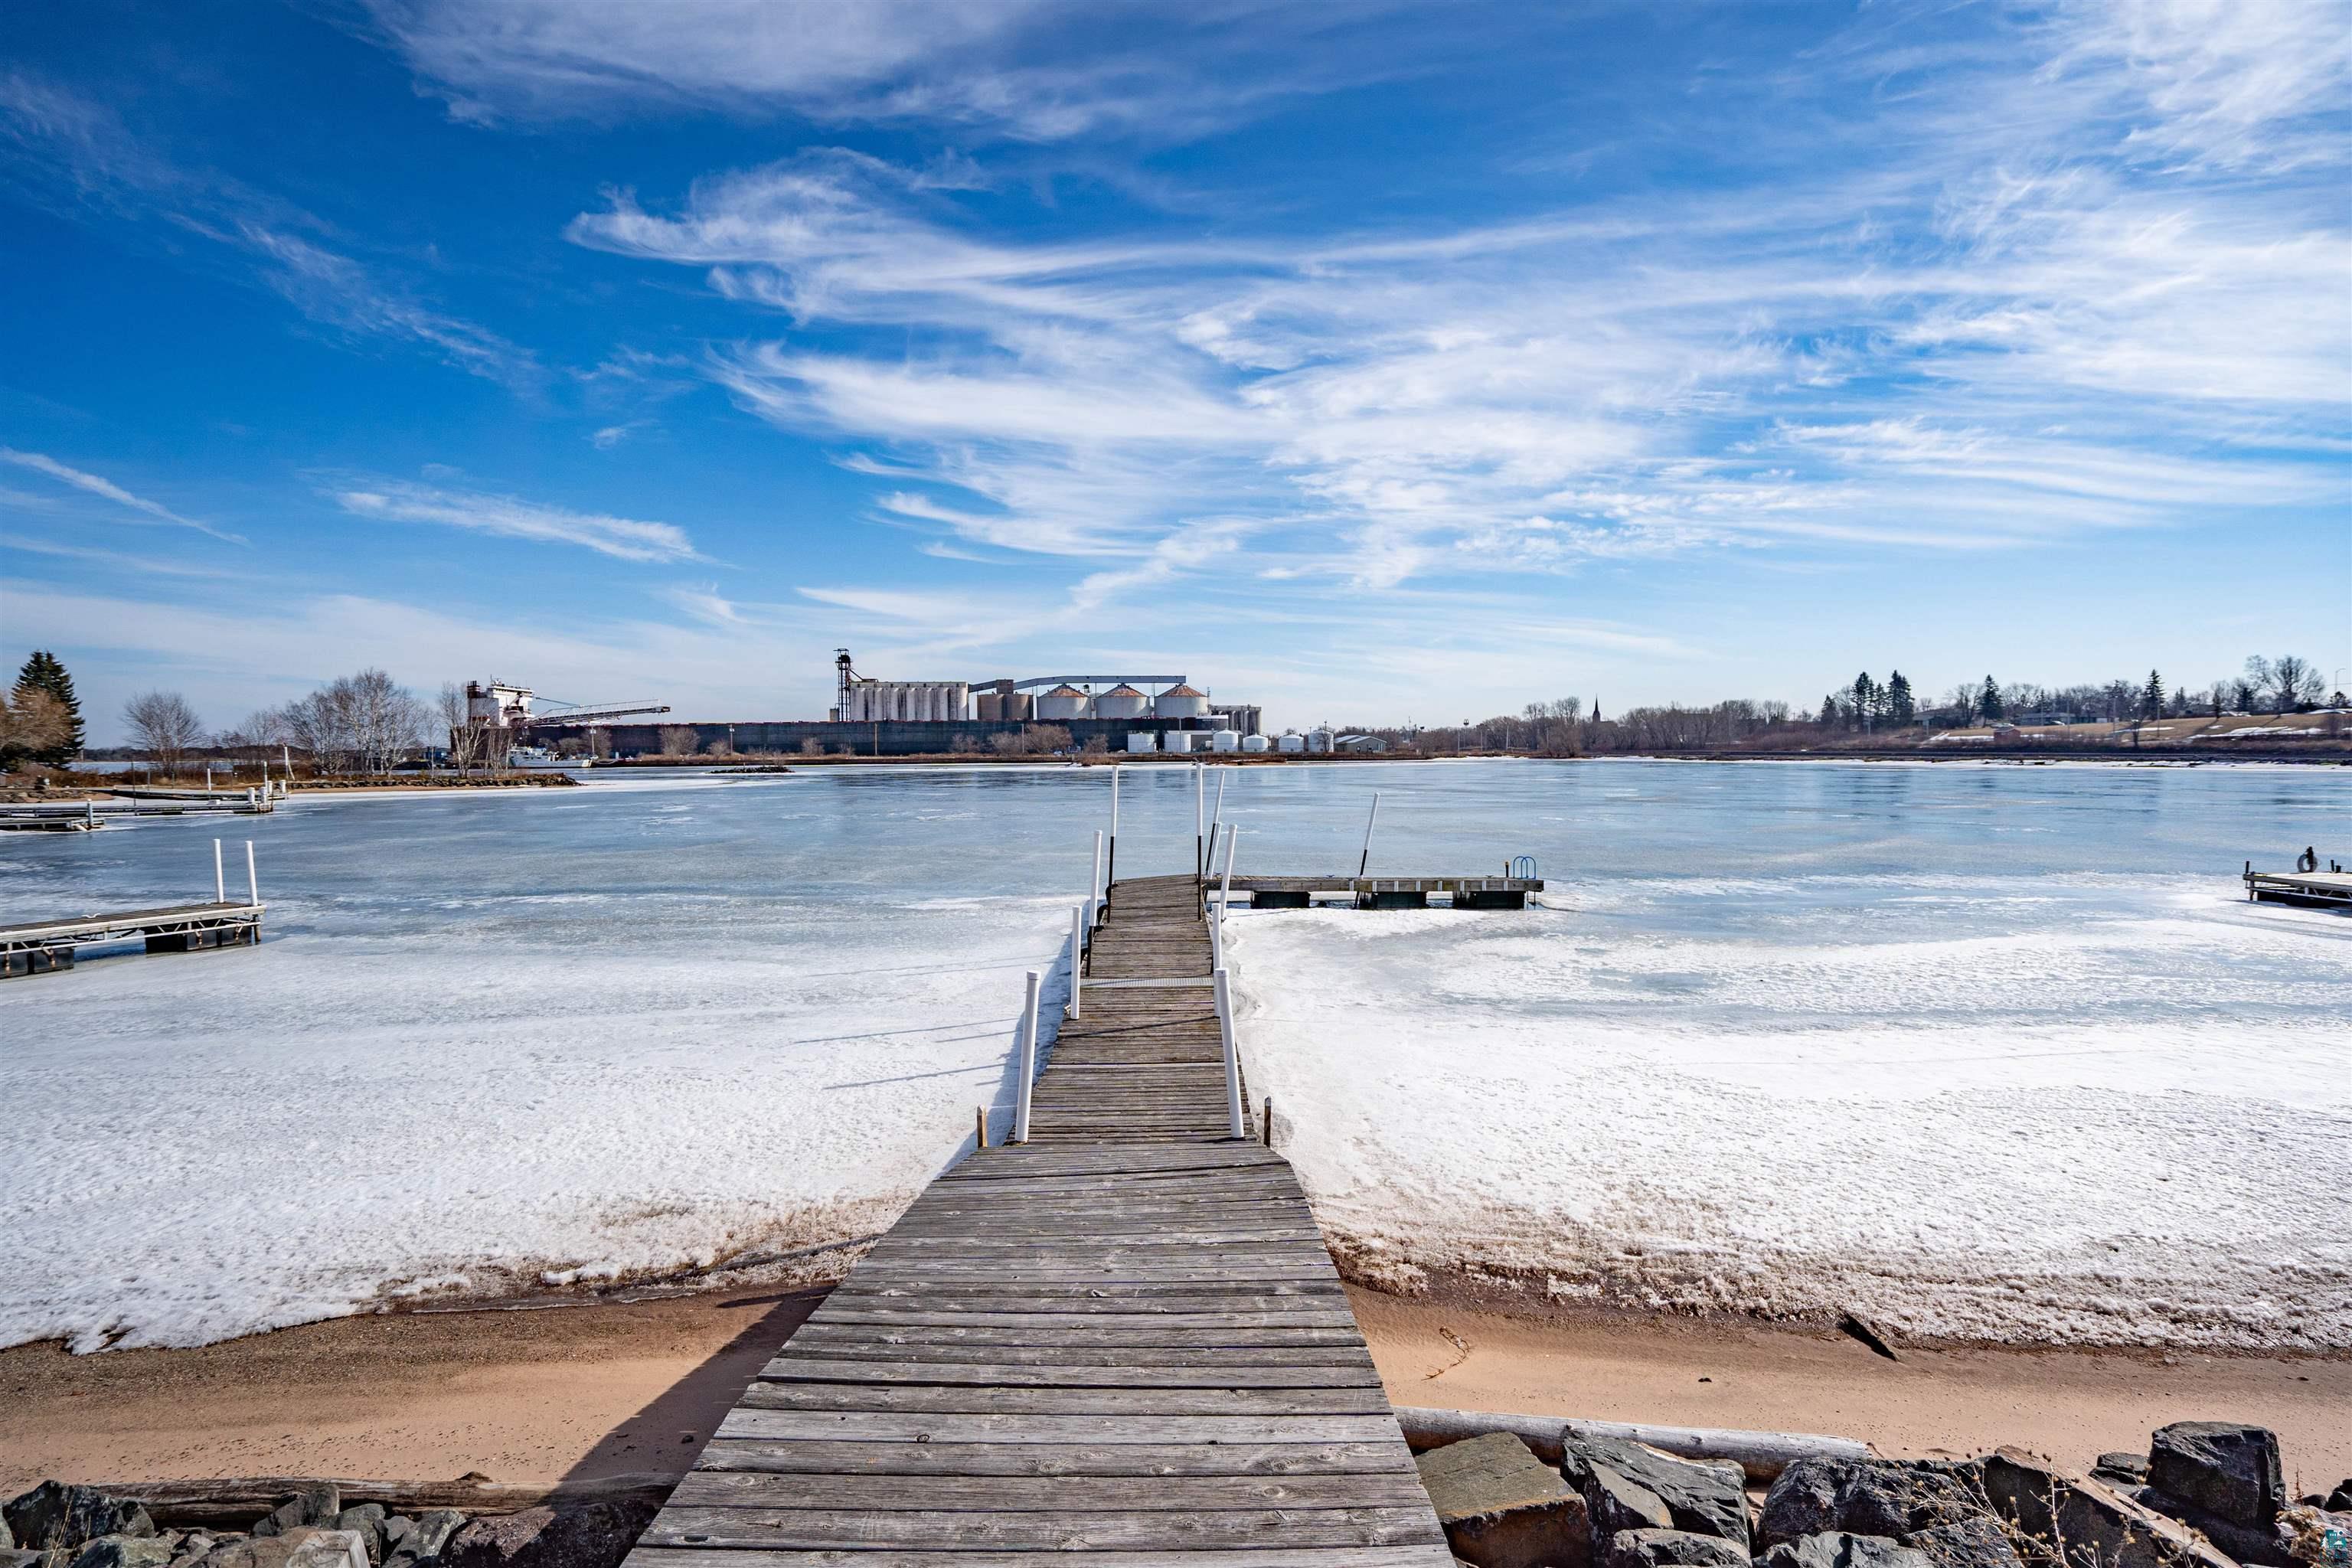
{"points": [[220, 883], [1077, 958], [1112, 872], [1369, 821], [252, 884], [1028, 1058], [1099, 889], [1225, 892], [1233, 1058], [1199, 821]]}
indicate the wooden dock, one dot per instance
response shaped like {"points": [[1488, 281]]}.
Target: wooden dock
{"points": [[2312, 889], [1121, 1342], [1390, 892]]}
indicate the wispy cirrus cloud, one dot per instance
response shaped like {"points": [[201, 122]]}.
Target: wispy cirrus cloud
{"points": [[1642, 375], [1035, 70], [101, 486], [621, 538]]}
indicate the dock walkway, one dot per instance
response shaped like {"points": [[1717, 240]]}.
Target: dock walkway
{"points": [[1123, 1340]]}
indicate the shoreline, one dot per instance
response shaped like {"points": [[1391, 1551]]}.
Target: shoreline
{"points": [[635, 1385]]}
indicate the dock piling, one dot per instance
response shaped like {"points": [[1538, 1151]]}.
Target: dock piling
{"points": [[1367, 860], [1199, 815], [220, 880], [1028, 1062], [252, 883], [1232, 1057], [1077, 959]]}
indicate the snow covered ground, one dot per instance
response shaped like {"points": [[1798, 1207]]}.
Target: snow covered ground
{"points": [[2102, 1110], [1983, 1050]]}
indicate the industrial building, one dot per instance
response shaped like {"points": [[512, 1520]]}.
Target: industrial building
{"points": [[907, 717]]}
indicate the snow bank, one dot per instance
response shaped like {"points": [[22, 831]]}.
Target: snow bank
{"points": [[2104, 1110]]}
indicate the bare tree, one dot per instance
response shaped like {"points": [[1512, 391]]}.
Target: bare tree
{"points": [[164, 726], [677, 740], [469, 736], [2293, 682], [364, 722]]}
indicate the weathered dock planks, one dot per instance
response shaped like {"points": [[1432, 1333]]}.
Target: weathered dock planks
{"points": [[1121, 1342]]}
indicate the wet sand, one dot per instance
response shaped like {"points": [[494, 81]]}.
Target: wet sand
{"points": [[617, 1388]]}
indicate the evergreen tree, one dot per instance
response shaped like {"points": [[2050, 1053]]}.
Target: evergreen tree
{"points": [[1901, 707], [1865, 699], [2151, 697], [1989, 704], [43, 672]]}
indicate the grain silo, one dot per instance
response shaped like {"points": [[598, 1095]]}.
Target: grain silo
{"points": [[1255, 744], [1065, 701], [1121, 702], [1180, 702]]}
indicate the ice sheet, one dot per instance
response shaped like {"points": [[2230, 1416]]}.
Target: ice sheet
{"points": [[1981, 1050]]}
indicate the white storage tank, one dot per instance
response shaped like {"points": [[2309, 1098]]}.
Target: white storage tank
{"points": [[1290, 740], [1183, 740], [1225, 741], [1181, 702], [1142, 741], [1065, 701], [1254, 744], [1121, 702]]}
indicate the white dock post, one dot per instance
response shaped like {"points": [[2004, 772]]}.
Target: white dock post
{"points": [[1028, 1059], [208, 778], [252, 884], [1112, 873], [1099, 889], [1217, 815], [1225, 893], [220, 883], [1199, 821], [1077, 958], [1233, 1058], [1367, 860]]}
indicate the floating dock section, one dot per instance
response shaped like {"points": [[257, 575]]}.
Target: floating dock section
{"points": [[2310, 890], [1389, 892], [1120, 1342]]}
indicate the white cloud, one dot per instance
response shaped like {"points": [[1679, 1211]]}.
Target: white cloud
{"points": [[624, 539], [98, 485], [1039, 70]]}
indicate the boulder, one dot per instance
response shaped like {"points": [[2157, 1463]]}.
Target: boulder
{"points": [[2340, 1500], [1500, 1506], [193, 1545], [1839, 1549], [1669, 1549], [366, 1521], [1624, 1484], [1979, 1541], [2224, 1467], [2084, 1523], [591, 1535], [302, 1546], [313, 1502], [2247, 1545], [18, 1557], [53, 1515], [1868, 1496], [2121, 1469], [127, 1552], [422, 1539]]}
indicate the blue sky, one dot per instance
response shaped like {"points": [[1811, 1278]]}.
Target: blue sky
{"points": [[1373, 362]]}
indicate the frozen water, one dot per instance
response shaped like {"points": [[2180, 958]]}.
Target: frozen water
{"points": [[1986, 1049], [1984, 1052]]}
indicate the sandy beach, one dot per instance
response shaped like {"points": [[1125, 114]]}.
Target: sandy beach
{"points": [[532, 1397]]}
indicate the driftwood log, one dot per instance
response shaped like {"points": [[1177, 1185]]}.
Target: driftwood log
{"points": [[235, 1504], [1761, 1455]]}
